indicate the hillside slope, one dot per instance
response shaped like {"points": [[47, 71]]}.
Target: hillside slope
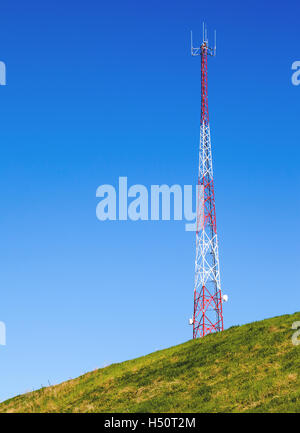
{"points": [[250, 368]]}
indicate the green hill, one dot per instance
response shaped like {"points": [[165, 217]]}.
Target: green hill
{"points": [[250, 368]]}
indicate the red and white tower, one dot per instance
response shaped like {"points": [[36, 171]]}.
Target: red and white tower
{"points": [[208, 314]]}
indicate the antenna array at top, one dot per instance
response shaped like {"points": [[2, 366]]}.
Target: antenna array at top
{"points": [[196, 51]]}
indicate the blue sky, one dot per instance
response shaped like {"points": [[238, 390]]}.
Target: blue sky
{"points": [[100, 90]]}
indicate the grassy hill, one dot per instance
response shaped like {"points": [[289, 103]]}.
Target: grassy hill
{"points": [[250, 368]]}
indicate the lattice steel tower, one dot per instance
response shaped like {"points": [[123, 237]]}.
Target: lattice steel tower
{"points": [[208, 313]]}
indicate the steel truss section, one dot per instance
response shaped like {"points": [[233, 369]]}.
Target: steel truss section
{"points": [[208, 314]]}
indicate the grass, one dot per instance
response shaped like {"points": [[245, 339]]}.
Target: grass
{"points": [[249, 368]]}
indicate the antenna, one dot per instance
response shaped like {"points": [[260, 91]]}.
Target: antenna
{"points": [[196, 51], [215, 49]]}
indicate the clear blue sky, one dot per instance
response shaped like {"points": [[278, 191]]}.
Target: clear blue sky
{"points": [[100, 90]]}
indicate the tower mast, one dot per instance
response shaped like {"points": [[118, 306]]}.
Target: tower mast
{"points": [[208, 312]]}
